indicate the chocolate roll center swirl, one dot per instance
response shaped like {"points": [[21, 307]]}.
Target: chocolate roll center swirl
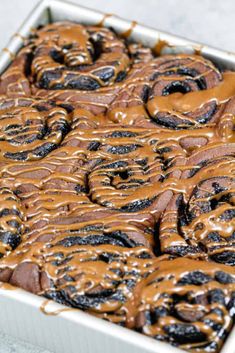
{"points": [[98, 279], [127, 169], [117, 183], [200, 221], [72, 57], [184, 92], [184, 103], [187, 303], [30, 129], [181, 94]]}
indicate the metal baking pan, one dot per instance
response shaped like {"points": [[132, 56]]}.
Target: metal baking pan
{"points": [[65, 330]]}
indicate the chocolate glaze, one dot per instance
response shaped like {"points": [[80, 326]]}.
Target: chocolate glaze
{"points": [[117, 183]]}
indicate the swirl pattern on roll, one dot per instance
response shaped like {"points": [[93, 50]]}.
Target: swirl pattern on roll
{"points": [[181, 93], [200, 220], [11, 221], [97, 279], [117, 183], [30, 129], [84, 65], [120, 176], [127, 170], [74, 57], [186, 303]]}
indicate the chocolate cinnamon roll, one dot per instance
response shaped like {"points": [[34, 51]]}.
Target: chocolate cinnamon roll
{"points": [[11, 221], [118, 176], [172, 74], [117, 183], [127, 167], [186, 94], [98, 279], [199, 221], [30, 129], [70, 56], [187, 303], [76, 226], [56, 195], [175, 77], [80, 64]]}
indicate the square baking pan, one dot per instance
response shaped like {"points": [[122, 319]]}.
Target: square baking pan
{"points": [[45, 323]]}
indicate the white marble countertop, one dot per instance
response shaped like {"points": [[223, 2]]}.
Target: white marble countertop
{"points": [[207, 21]]}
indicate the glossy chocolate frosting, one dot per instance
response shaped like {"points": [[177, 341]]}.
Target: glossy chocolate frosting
{"points": [[117, 182]]}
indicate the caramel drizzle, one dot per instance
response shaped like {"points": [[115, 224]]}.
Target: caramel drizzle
{"points": [[203, 224], [6, 50], [54, 211], [102, 22], [45, 311], [150, 294], [198, 49], [159, 46], [15, 129], [19, 35], [191, 101], [78, 37], [7, 286], [126, 34]]}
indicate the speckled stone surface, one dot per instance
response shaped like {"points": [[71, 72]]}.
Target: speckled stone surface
{"points": [[11, 345], [207, 21]]}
